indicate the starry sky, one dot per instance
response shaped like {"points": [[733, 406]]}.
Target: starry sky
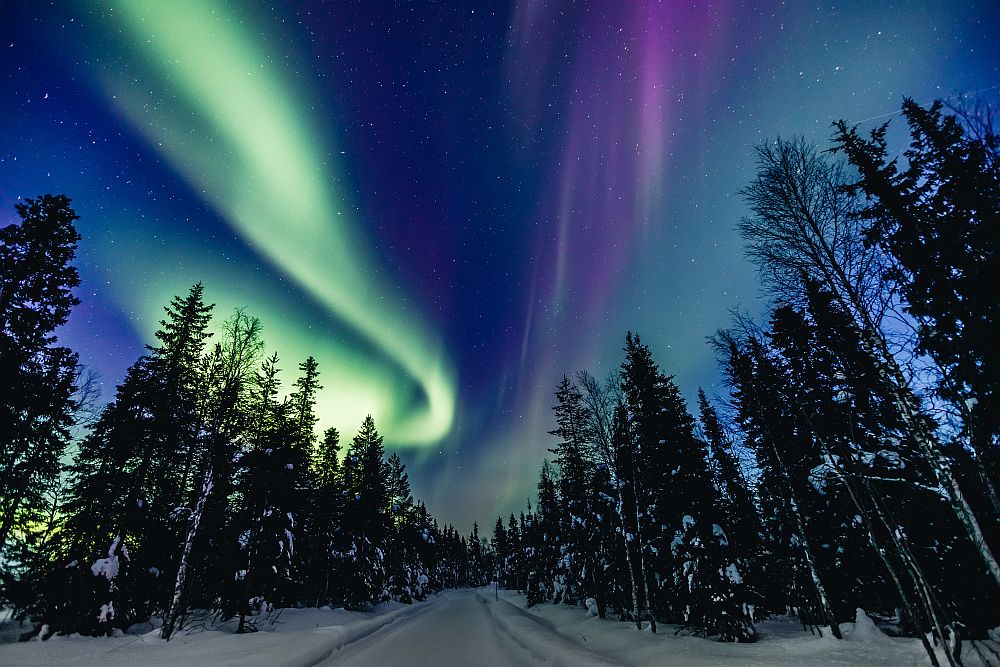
{"points": [[448, 204]]}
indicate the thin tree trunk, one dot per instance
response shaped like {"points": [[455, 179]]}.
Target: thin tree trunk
{"points": [[924, 588], [182, 568], [628, 558]]}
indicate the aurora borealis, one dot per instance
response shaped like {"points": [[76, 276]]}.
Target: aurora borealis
{"points": [[448, 204]]}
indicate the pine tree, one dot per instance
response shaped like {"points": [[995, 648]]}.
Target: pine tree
{"points": [[540, 542], [229, 374], [176, 364], [515, 561], [303, 401], [578, 535], [792, 573], [734, 498], [404, 568], [127, 481], [501, 545], [476, 558], [263, 518], [366, 518], [38, 378], [326, 518], [938, 217], [671, 465], [262, 510], [686, 565]]}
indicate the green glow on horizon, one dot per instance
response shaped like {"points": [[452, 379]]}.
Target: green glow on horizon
{"points": [[210, 101]]}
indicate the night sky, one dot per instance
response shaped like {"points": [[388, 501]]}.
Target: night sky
{"points": [[448, 204]]}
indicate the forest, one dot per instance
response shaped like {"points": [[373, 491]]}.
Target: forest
{"points": [[851, 461]]}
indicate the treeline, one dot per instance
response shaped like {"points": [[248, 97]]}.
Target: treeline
{"points": [[855, 461], [202, 485]]}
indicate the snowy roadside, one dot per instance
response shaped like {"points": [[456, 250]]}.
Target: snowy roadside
{"points": [[781, 643], [555, 635], [300, 638]]}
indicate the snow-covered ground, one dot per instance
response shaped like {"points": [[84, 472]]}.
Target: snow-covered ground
{"points": [[468, 627]]}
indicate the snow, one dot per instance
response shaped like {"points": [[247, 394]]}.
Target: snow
{"points": [[107, 612], [468, 627], [300, 637], [107, 567]]}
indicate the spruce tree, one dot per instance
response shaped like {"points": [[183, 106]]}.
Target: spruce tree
{"points": [[127, 480], [229, 374], [366, 517], [578, 530], [734, 499], [38, 378], [303, 401], [937, 216], [326, 518], [784, 456]]}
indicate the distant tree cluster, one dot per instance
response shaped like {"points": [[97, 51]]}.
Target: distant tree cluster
{"points": [[639, 516], [856, 461], [200, 486]]}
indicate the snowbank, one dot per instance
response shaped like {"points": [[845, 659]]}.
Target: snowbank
{"points": [[300, 638], [782, 642]]}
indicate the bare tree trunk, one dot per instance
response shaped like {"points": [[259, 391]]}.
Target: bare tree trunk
{"points": [[924, 588], [182, 569], [636, 611]]}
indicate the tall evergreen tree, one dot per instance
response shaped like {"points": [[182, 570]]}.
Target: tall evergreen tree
{"points": [[303, 401], [578, 543], [263, 505], [326, 518], [734, 499], [937, 216], [792, 574], [128, 478], [229, 374], [366, 517], [38, 378]]}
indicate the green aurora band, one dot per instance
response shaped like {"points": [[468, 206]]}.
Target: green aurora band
{"points": [[219, 111]]}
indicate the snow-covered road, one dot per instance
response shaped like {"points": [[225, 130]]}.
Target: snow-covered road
{"points": [[463, 628]]}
